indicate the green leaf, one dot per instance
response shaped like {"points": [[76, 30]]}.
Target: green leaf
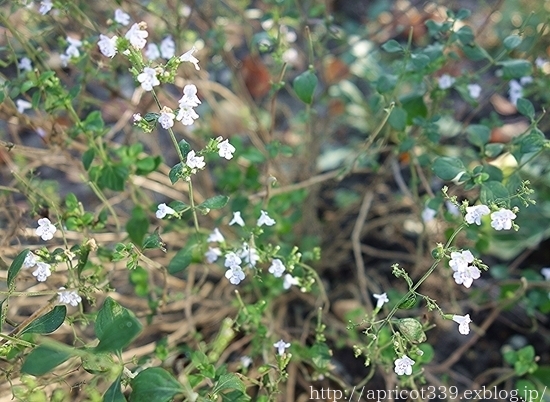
{"points": [[304, 86], [154, 241], [43, 359], [47, 323], [392, 46], [516, 68], [511, 42], [478, 134], [398, 118], [109, 312], [113, 177], [216, 202], [493, 192], [151, 117], [181, 260], [463, 14], [532, 142], [184, 147], [493, 150], [97, 363], [474, 52], [175, 173], [16, 265], [114, 393], [94, 122], [147, 165], [88, 157], [137, 226], [414, 106], [465, 35], [119, 333], [448, 168], [526, 108], [154, 384], [228, 381]]}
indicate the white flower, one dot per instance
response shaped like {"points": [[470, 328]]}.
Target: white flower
{"points": [[381, 299], [189, 98], [428, 214], [237, 219], [232, 260], [45, 229], [526, 80], [22, 105], [121, 17], [264, 219], [226, 150], [188, 56], [69, 297], [466, 276], [25, 64], [246, 361], [45, 7], [64, 60], [474, 90], [546, 273], [445, 81], [249, 255], [235, 274], [148, 78], [540, 62], [107, 46], [42, 272], [163, 210], [475, 213], [166, 118], [461, 260], [404, 365], [212, 254], [152, 51], [167, 48], [30, 260], [289, 280], [187, 116], [463, 322], [137, 34], [281, 346], [452, 208], [515, 92], [137, 117], [195, 162], [502, 219], [215, 237], [277, 268]]}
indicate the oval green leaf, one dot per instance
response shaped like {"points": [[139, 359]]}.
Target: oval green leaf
{"points": [[154, 385], [43, 359], [16, 265], [48, 323], [304, 86]]}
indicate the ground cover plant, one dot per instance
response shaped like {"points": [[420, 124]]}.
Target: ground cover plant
{"points": [[274, 200]]}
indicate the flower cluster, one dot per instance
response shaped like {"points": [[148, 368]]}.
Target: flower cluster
{"points": [[188, 101], [68, 297], [42, 271], [516, 89], [45, 7], [500, 220], [464, 270], [71, 52]]}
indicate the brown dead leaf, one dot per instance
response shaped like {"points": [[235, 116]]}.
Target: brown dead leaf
{"points": [[502, 105], [256, 76], [508, 131]]}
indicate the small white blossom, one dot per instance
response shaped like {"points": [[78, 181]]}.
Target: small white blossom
{"points": [[188, 56], [466, 276], [289, 280], [246, 361], [152, 51], [163, 210], [249, 255], [235, 274], [381, 299], [474, 90], [137, 34], [215, 237], [225, 149], [42, 272], [64, 60], [515, 92], [195, 162], [121, 17], [237, 219], [502, 219], [428, 214], [452, 208], [137, 117], [546, 273], [69, 297], [475, 213], [526, 80], [187, 116], [404, 365], [445, 81], [167, 48], [264, 219], [25, 64], [30, 260], [22, 105], [277, 268], [463, 322], [281, 346], [212, 254], [45, 229], [45, 7], [461, 260], [189, 98], [166, 118], [540, 62], [107, 46], [148, 78], [232, 260]]}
